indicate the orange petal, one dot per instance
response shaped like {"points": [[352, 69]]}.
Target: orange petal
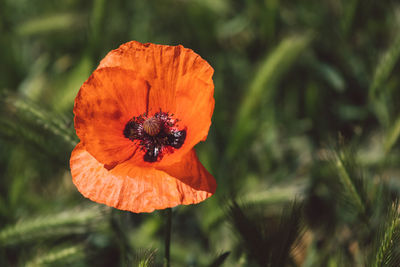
{"points": [[103, 106], [181, 83], [138, 189]]}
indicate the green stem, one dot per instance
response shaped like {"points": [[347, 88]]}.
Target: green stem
{"points": [[168, 226]]}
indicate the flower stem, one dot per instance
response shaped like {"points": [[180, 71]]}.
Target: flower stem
{"points": [[168, 226]]}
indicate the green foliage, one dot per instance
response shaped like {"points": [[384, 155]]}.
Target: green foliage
{"points": [[144, 258], [353, 190], [22, 119], [266, 241], [380, 93], [388, 241], [58, 257], [44, 227], [48, 24], [392, 135], [262, 88], [385, 68]]}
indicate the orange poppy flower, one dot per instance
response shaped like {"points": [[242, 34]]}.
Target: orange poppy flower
{"points": [[138, 117]]}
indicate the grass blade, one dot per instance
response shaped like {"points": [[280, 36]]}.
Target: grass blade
{"points": [[263, 85], [384, 68]]}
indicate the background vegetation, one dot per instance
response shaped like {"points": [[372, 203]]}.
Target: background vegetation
{"points": [[304, 142]]}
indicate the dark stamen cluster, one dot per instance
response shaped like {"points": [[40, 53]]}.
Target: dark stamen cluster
{"points": [[156, 135]]}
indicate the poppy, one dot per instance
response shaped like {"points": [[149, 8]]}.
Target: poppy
{"points": [[138, 117]]}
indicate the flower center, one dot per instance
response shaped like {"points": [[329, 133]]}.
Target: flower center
{"points": [[151, 126], [157, 135]]}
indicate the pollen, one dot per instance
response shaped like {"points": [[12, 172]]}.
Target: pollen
{"points": [[156, 135]]}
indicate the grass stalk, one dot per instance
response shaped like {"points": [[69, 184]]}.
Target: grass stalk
{"points": [[168, 226]]}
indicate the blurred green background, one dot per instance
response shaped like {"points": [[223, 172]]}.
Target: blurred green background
{"points": [[307, 110]]}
